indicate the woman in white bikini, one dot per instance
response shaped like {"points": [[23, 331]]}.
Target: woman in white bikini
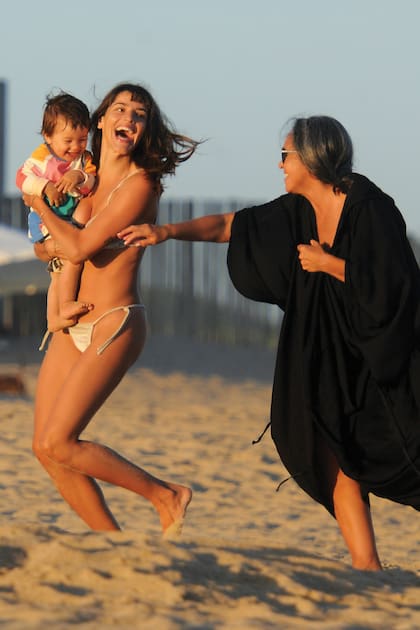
{"points": [[133, 148]]}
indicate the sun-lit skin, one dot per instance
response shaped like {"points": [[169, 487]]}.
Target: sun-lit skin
{"points": [[299, 180], [67, 142], [64, 406], [127, 120], [297, 177]]}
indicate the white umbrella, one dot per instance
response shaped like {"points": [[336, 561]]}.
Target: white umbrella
{"points": [[20, 270]]}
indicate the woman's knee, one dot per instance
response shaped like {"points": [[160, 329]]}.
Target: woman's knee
{"points": [[48, 448]]}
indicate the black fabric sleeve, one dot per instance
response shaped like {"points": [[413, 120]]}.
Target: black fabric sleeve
{"points": [[262, 250]]}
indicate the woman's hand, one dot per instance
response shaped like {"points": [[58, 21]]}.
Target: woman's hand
{"points": [[144, 234], [41, 252], [47, 250], [29, 200], [215, 228], [314, 258]]}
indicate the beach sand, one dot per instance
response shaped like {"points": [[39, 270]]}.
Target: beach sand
{"points": [[249, 557]]}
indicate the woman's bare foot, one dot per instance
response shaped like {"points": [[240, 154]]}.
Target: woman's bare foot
{"points": [[172, 510], [373, 565]]}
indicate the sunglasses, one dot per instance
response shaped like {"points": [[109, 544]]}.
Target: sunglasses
{"points": [[284, 154]]}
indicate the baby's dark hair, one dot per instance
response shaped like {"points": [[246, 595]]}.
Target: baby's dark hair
{"points": [[72, 109]]}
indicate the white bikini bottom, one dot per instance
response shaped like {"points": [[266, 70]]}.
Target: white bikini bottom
{"points": [[81, 333]]}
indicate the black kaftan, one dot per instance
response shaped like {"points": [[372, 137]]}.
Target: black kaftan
{"points": [[348, 360]]}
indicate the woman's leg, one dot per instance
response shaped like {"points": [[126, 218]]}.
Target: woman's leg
{"points": [[355, 522], [353, 515], [76, 488], [88, 384]]}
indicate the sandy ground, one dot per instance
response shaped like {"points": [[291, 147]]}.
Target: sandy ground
{"points": [[249, 557]]}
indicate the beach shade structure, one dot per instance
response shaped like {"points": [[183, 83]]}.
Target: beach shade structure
{"points": [[20, 271]]}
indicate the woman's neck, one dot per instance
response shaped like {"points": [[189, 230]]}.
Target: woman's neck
{"points": [[115, 166], [112, 170], [328, 206]]}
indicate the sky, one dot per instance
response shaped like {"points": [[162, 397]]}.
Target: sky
{"points": [[231, 73]]}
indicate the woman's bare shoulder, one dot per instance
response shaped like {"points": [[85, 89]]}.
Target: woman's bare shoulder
{"points": [[138, 182], [139, 176], [138, 193]]}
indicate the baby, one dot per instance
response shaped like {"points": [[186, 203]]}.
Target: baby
{"points": [[61, 171]]}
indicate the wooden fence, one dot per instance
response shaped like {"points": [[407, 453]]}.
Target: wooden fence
{"points": [[185, 286]]}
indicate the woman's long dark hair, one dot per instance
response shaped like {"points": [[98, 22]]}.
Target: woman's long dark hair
{"points": [[326, 149], [160, 149]]}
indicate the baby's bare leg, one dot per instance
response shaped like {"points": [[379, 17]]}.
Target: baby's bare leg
{"points": [[72, 310], [63, 310]]}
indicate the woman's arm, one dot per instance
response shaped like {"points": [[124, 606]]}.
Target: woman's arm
{"points": [[48, 249], [314, 258], [215, 228], [131, 203]]}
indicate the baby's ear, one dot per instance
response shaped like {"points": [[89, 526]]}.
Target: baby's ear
{"points": [[99, 125]]}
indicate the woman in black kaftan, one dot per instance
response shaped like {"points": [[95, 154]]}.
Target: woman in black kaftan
{"points": [[334, 256], [346, 350]]}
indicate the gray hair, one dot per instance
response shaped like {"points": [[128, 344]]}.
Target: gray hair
{"points": [[326, 149]]}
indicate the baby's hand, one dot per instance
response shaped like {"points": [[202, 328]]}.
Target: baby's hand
{"points": [[54, 196], [70, 181]]}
